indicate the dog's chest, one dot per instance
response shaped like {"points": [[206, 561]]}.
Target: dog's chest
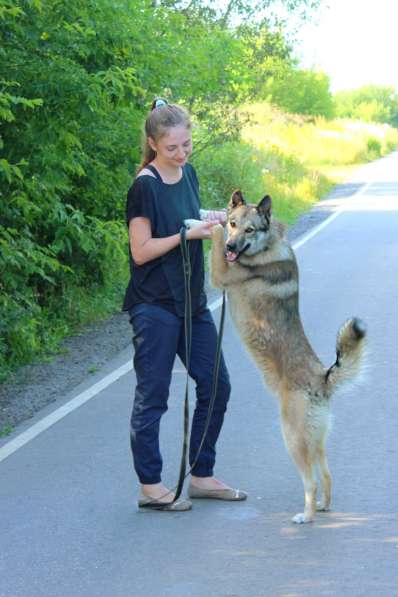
{"points": [[249, 311]]}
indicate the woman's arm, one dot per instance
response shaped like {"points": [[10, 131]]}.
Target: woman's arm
{"points": [[145, 248]]}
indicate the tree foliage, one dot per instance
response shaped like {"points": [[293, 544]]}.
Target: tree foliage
{"points": [[300, 91]]}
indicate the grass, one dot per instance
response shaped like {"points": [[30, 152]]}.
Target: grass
{"points": [[6, 431], [40, 340]]}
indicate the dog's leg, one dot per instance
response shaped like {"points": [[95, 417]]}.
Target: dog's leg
{"points": [[301, 455], [324, 504], [309, 483], [218, 264]]}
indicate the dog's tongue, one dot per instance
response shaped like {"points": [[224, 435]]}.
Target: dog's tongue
{"points": [[231, 256]]}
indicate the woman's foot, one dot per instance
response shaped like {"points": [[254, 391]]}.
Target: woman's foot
{"points": [[157, 497], [212, 488], [207, 483], [158, 492]]}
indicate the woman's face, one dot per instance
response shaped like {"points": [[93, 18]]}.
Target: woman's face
{"points": [[175, 147]]}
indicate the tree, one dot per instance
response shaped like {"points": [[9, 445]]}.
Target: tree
{"points": [[300, 91], [233, 11], [372, 103]]}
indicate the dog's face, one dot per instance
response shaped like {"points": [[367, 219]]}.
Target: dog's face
{"points": [[248, 227]]}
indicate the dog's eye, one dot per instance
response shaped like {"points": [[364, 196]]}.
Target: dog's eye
{"points": [[232, 224], [249, 229]]}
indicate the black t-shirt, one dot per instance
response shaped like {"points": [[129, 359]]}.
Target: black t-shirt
{"points": [[166, 206]]}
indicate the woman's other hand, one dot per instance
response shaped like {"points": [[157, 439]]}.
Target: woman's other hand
{"points": [[214, 216], [202, 231]]}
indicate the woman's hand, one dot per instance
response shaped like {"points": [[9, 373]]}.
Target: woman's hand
{"points": [[144, 248]]}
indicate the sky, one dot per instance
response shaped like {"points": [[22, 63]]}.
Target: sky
{"points": [[355, 42]]}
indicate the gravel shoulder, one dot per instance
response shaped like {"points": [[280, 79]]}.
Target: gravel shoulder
{"points": [[33, 387]]}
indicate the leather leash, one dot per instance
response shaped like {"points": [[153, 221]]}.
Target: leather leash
{"points": [[188, 343]]}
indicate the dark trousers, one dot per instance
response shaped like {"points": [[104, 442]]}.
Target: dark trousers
{"points": [[158, 337]]}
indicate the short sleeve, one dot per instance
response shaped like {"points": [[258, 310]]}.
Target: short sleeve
{"points": [[140, 200]]}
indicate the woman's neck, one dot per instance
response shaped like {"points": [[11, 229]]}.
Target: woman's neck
{"points": [[168, 172]]}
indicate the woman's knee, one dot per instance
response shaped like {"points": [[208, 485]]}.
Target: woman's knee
{"points": [[146, 415], [204, 391], [150, 401]]}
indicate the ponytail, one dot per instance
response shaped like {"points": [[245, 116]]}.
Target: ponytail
{"points": [[148, 155]]}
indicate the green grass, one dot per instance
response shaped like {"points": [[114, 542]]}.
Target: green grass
{"points": [[6, 431], [39, 339]]}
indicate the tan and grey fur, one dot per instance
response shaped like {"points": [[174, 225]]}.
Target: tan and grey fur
{"points": [[257, 267]]}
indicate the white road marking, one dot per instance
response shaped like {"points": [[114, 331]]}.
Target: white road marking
{"points": [[26, 436]]}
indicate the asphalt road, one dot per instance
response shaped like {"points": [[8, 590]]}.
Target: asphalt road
{"points": [[69, 526]]}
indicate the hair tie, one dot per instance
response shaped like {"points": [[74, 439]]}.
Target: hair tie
{"points": [[157, 103]]}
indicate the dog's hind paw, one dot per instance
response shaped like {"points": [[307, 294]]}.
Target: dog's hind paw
{"points": [[321, 507], [301, 518]]}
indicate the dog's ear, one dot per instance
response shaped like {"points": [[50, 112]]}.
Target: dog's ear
{"points": [[236, 199], [264, 207]]}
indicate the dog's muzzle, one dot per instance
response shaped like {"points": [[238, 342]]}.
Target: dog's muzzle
{"points": [[231, 254]]}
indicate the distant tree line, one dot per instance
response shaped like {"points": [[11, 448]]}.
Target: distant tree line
{"points": [[371, 103]]}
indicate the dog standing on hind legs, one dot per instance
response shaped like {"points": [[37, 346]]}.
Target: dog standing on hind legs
{"points": [[257, 267]]}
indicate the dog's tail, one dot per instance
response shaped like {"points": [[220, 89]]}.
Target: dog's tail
{"points": [[350, 351]]}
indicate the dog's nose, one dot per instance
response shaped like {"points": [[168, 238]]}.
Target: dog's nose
{"points": [[231, 246]]}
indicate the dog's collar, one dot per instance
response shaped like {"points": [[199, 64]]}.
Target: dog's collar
{"points": [[253, 266]]}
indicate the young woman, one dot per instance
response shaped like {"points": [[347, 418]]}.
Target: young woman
{"points": [[164, 194]]}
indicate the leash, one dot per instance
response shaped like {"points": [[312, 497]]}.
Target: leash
{"points": [[186, 264], [188, 344]]}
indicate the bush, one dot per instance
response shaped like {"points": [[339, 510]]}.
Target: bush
{"points": [[374, 148]]}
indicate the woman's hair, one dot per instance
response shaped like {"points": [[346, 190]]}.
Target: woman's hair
{"points": [[162, 117]]}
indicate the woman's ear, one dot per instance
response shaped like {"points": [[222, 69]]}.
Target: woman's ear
{"points": [[151, 143]]}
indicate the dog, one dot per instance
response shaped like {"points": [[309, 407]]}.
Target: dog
{"points": [[257, 267]]}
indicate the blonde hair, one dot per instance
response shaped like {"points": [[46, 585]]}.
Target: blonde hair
{"points": [[162, 117]]}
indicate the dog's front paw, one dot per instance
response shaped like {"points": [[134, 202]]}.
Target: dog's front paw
{"points": [[301, 518], [217, 232]]}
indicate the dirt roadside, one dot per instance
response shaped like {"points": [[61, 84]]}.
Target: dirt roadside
{"points": [[35, 386]]}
